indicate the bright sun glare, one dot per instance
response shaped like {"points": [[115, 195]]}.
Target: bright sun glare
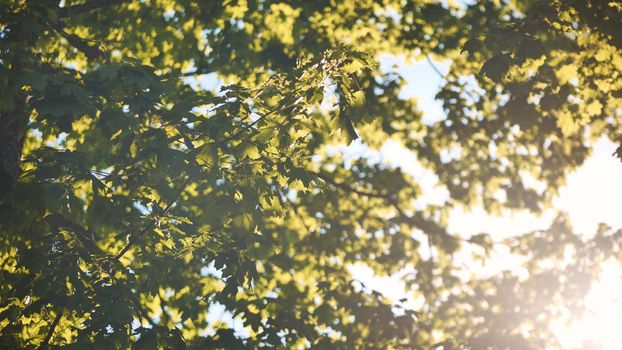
{"points": [[602, 322], [591, 196]]}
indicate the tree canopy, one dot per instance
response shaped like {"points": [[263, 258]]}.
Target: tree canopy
{"points": [[134, 197]]}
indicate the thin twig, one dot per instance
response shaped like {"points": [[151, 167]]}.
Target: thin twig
{"points": [[48, 336], [434, 67], [132, 239], [249, 126]]}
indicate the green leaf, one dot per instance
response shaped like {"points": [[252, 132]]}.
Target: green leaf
{"points": [[347, 129], [249, 151], [496, 68]]}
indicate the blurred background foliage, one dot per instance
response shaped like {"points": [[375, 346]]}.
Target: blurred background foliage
{"points": [[133, 200]]}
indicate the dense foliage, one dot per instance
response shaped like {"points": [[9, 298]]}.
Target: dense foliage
{"points": [[134, 197]]}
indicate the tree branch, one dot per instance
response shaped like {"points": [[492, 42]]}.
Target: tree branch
{"points": [[86, 7], [417, 218], [85, 236], [91, 51], [171, 75], [348, 188]]}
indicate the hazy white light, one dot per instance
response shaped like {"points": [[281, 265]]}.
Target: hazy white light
{"points": [[601, 324]]}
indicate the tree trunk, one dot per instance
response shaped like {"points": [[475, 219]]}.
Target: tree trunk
{"points": [[13, 126]]}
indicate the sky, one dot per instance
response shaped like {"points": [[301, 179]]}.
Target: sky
{"points": [[591, 196]]}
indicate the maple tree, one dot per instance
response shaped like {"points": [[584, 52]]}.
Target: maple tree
{"points": [[134, 199]]}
